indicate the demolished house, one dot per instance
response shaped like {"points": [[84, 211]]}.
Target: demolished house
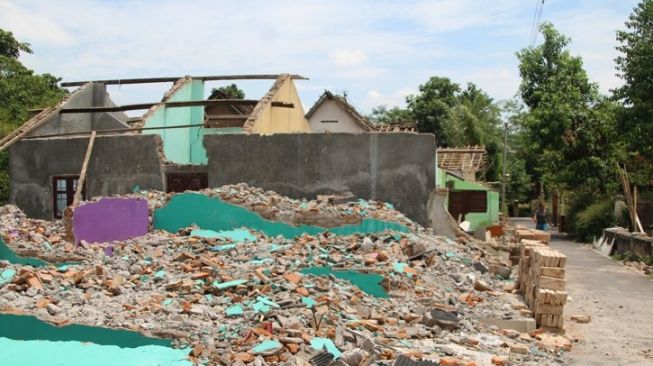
{"points": [[230, 272], [188, 142], [467, 199]]}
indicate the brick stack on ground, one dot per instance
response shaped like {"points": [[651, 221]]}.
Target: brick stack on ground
{"points": [[542, 282]]}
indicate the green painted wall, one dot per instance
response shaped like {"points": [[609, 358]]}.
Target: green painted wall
{"points": [[26, 340], [182, 145], [186, 209], [478, 219], [439, 177]]}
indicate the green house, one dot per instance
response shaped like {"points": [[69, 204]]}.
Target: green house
{"points": [[467, 200]]}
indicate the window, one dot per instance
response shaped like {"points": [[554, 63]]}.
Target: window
{"points": [[464, 202], [180, 182], [329, 121], [63, 193]]}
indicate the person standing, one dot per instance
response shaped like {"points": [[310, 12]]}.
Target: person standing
{"points": [[540, 217]]}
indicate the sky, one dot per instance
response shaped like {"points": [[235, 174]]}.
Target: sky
{"points": [[378, 52]]}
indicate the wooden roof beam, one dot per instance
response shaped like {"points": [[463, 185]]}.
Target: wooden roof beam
{"points": [[173, 79], [190, 103]]}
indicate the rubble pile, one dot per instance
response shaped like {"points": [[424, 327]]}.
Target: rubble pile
{"points": [[314, 299]]}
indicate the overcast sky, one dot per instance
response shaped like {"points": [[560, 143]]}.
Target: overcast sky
{"points": [[377, 51]]}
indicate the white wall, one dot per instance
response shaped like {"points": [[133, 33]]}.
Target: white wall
{"points": [[331, 111]]}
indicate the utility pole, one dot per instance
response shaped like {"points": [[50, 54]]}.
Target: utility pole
{"points": [[504, 207]]}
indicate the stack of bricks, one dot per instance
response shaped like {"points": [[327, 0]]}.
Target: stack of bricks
{"points": [[522, 233], [541, 281]]}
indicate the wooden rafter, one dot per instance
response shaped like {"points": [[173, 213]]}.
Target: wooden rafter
{"points": [[173, 79]]}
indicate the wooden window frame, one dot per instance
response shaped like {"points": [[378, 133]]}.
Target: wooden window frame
{"points": [[69, 192]]}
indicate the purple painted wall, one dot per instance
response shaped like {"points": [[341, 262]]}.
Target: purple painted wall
{"points": [[110, 219]]}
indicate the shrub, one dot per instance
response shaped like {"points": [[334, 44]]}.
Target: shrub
{"points": [[590, 221]]}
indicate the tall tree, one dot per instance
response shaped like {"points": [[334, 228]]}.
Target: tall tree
{"points": [[20, 90], [458, 117], [635, 65], [567, 118], [433, 109]]}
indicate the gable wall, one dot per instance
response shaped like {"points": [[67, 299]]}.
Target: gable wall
{"points": [[330, 110], [282, 120], [91, 95], [181, 145]]}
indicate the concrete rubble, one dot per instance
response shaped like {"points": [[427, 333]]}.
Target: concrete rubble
{"points": [[375, 296]]}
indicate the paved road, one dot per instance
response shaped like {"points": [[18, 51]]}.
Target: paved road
{"points": [[619, 300]]}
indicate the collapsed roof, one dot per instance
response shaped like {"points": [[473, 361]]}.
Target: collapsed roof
{"points": [[90, 108], [462, 159]]}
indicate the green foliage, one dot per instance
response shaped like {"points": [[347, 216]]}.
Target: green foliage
{"points": [[569, 128], [227, 92], [394, 115], [634, 65], [631, 257], [591, 221], [20, 90], [458, 117], [10, 47]]}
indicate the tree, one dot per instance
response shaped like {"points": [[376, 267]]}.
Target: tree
{"points": [[227, 92], [394, 115], [458, 117], [432, 109], [634, 67], [10, 47], [568, 122], [20, 90]]}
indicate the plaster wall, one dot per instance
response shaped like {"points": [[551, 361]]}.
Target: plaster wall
{"points": [[331, 111], [181, 145], [118, 165], [91, 95], [392, 167], [282, 120]]}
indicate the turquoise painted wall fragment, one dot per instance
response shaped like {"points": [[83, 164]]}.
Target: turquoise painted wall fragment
{"points": [[186, 209], [369, 283], [9, 255], [71, 353]]}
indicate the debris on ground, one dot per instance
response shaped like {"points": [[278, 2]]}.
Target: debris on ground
{"points": [[319, 299]]}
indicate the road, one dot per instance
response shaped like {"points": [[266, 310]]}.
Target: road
{"points": [[619, 300]]}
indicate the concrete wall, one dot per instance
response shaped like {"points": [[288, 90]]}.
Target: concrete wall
{"points": [[626, 242], [91, 95], [393, 167], [181, 145], [329, 110], [118, 164]]}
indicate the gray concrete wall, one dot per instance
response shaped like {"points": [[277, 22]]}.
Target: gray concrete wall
{"points": [[393, 167], [117, 165], [626, 242], [93, 95]]}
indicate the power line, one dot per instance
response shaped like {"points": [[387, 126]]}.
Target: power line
{"points": [[530, 38], [537, 18]]}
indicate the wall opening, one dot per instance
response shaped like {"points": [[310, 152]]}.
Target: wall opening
{"points": [[63, 193], [181, 182]]}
